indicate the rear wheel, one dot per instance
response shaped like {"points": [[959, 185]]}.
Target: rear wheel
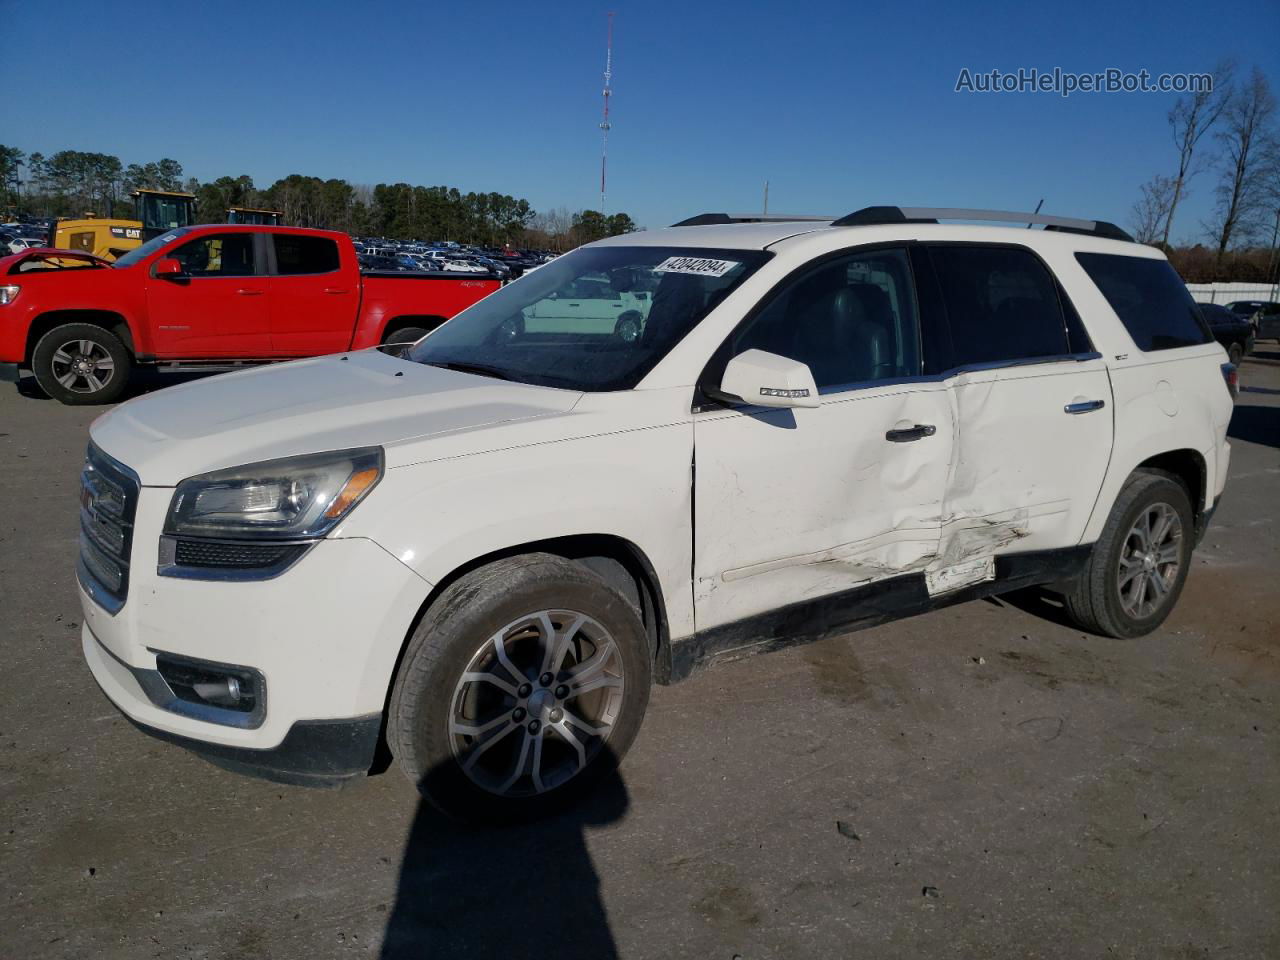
{"points": [[405, 335], [78, 363], [1235, 353], [524, 682], [1139, 564]]}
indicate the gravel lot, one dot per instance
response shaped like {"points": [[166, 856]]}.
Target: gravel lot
{"points": [[1008, 787]]}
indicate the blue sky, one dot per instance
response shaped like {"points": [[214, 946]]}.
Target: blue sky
{"points": [[838, 105]]}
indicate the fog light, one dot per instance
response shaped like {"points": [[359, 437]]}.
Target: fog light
{"points": [[218, 685], [225, 693]]}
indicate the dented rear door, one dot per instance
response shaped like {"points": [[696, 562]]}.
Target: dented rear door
{"points": [[1031, 451], [1033, 409]]}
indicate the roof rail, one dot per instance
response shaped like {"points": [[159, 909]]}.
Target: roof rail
{"points": [[708, 219], [870, 216]]}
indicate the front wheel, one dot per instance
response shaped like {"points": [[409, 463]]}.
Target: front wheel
{"points": [[524, 682], [1140, 562], [1235, 353], [78, 363]]}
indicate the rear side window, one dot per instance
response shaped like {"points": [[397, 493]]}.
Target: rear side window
{"points": [[297, 254], [1149, 298], [1001, 304]]}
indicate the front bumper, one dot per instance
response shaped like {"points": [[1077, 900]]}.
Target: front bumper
{"points": [[324, 637]]}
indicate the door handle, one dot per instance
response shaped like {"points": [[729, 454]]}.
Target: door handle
{"points": [[246, 292], [1084, 406], [918, 432], [335, 290]]}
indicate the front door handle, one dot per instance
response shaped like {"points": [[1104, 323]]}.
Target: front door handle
{"points": [[247, 292], [906, 435], [1084, 406], [335, 290]]}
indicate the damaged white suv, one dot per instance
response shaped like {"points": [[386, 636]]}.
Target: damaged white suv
{"points": [[481, 549]]}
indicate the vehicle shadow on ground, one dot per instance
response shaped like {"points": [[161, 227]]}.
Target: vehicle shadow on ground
{"points": [[1038, 601], [528, 890], [142, 381], [1255, 424]]}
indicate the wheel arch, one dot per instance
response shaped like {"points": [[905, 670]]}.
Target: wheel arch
{"points": [[1186, 466], [615, 559], [108, 320], [426, 322]]}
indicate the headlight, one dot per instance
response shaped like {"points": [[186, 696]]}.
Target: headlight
{"points": [[9, 293], [288, 499]]}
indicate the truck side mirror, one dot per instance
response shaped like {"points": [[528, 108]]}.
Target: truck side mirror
{"points": [[168, 268], [765, 379]]}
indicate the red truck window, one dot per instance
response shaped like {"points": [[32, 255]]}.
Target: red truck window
{"points": [[296, 254], [218, 255]]}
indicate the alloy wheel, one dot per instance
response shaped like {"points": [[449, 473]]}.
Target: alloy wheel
{"points": [[1149, 561], [537, 703], [83, 366]]}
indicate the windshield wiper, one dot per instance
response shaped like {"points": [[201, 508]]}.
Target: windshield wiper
{"points": [[476, 368]]}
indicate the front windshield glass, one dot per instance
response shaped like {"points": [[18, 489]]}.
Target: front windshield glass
{"points": [[599, 318], [148, 248]]}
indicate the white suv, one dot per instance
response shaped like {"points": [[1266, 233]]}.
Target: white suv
{"points": [[482, 549]]}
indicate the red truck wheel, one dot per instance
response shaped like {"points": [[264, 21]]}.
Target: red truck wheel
{"points": [[78, 363]]}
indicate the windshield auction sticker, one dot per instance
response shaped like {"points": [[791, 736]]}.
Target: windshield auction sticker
{"points": [[696, 266]]}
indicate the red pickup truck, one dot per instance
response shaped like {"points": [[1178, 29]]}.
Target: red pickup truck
{"points": [[210, 298]]}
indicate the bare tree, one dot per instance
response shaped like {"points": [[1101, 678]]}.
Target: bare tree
{"points": [[1150, 214], [1191, 118], [1270, 191], [1246, 140]]}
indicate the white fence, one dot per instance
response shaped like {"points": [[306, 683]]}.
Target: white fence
{"points": [[1227, 292]]}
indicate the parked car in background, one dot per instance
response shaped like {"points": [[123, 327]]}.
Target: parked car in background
{"points": [[381, 264], [593, 304], [462, 265], [1233, 330], [481, 551], [21, 244], [1264, 314], [208, 298]]}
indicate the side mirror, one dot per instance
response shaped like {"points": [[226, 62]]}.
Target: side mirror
{"points": [[168, 268], [765, 379]]}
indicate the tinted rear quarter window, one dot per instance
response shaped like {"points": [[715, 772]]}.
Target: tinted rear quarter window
{"points": [[1149, 298], [297, 254], [1001, 304]]}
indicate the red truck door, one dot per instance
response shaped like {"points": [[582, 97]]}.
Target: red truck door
{"points": [[218, 306], [314, 295]]}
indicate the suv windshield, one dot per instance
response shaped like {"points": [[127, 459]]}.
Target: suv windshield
{"points": [[148, 248], [596, 319]]}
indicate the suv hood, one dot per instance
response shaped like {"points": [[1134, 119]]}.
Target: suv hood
{"points": [[358, 399]]}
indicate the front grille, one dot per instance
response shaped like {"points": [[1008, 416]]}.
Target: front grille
{"points": [[108, 503]]}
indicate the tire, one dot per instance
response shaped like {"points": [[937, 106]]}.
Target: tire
{"points": [[58, 363], [629, 326], [1235, 353], [405, 335], [487, 776], [1099, 602]]}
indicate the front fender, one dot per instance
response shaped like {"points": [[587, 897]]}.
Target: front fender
{"points": [[438, 516]]}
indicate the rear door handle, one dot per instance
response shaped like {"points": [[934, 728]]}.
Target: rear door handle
{"points": [[918, 432], [337, 290], [246, 292], [1084, 406]]}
